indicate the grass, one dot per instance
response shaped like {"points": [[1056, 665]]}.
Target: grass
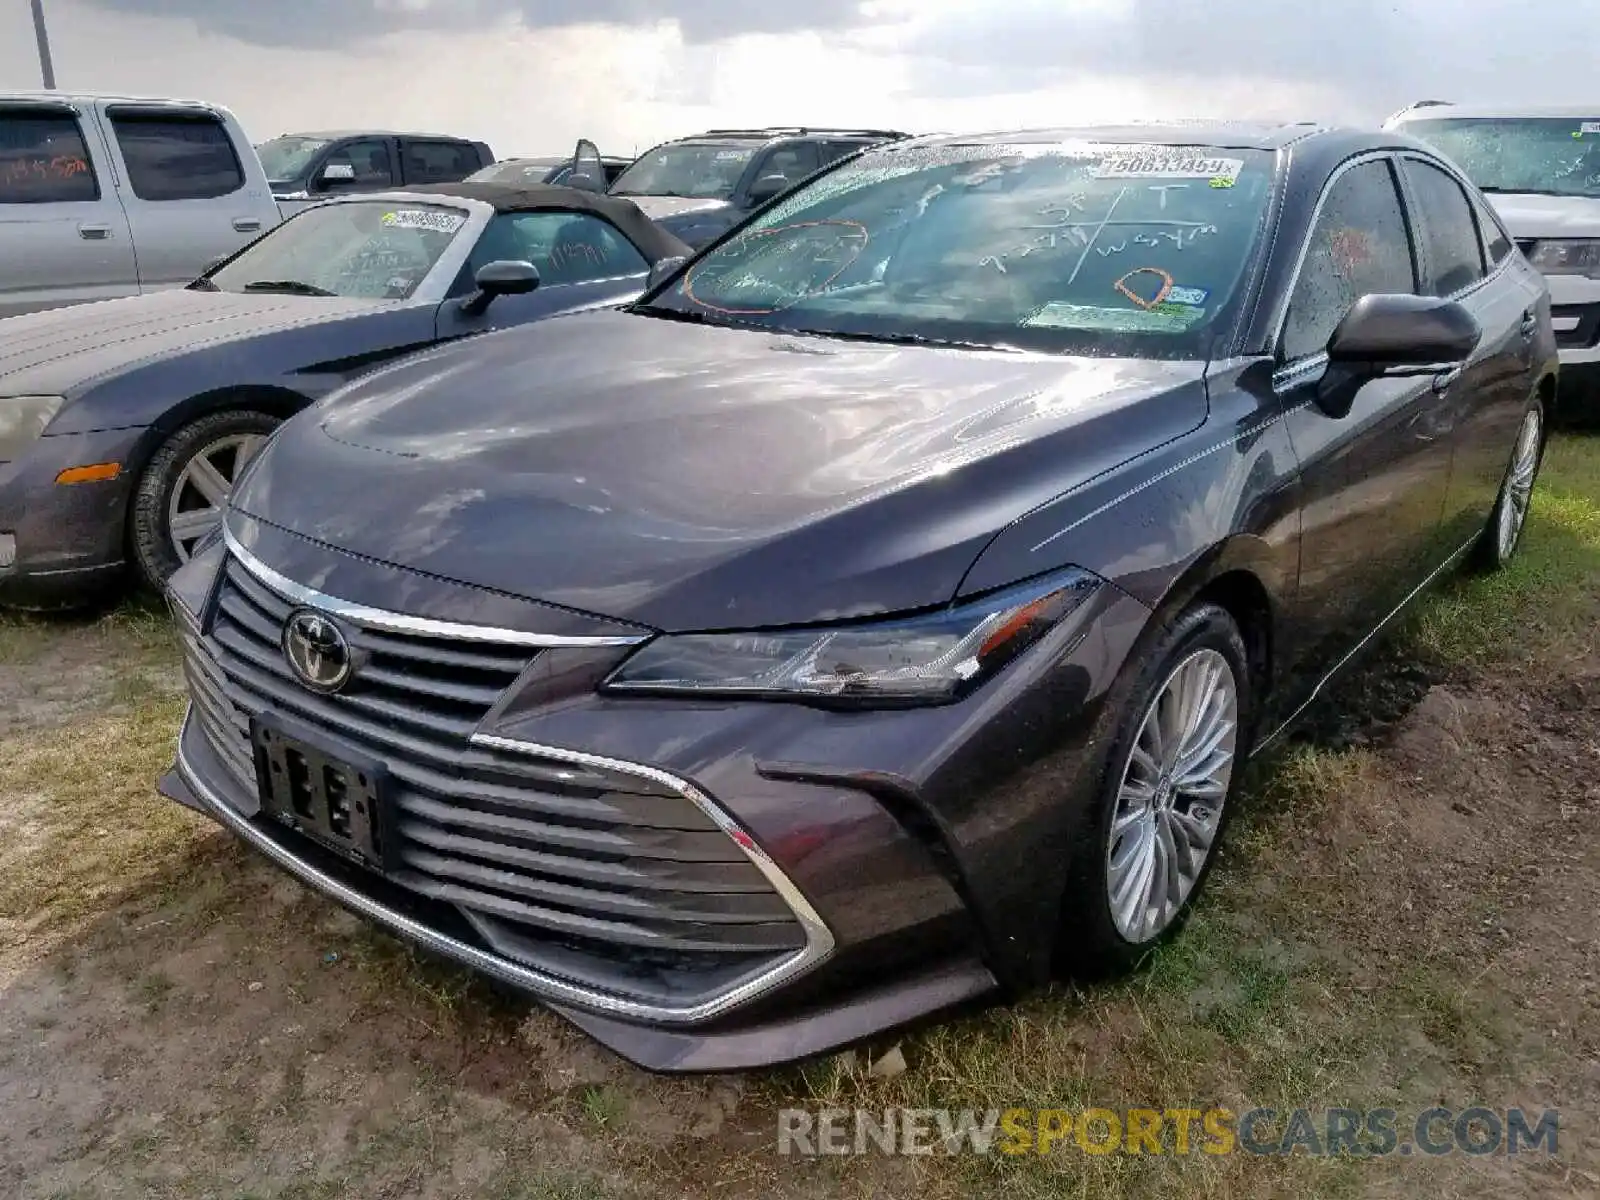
{"points": [[1549, 596]]}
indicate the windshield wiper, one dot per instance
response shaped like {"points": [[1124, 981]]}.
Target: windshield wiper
{"points": [[293, 287], [900, 339], [202, 285], [1528, 191]]}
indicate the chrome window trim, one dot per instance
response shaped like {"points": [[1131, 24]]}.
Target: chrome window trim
{"points": [[819, 939], [393, 622]]}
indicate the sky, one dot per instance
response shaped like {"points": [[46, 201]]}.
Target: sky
{"points": [[532, 76]]}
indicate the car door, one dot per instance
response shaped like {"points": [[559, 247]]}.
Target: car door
{"points": [[1374, 480], [583, 261], [183, 187], [1481, 408], [64, 238]]}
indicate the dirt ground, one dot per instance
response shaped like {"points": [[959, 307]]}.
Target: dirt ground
{"points": [[1405, 917]]}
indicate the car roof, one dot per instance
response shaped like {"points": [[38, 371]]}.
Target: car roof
{"points": [[655, 242], [36, 95], [1231, 135], [1445, 110], [335, 134]]}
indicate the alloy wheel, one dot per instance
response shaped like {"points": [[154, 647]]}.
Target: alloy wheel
{"points": [[1518, 493], [202, 488], [1169, 802]]}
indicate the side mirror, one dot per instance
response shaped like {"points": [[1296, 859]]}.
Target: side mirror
{"points": [[768, 187], [1395, 336], [663, 270], [338, 173], [503, 277]]}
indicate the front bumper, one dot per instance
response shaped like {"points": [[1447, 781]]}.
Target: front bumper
{"points": [[70, 538], [713, 1047], [922, 854]]}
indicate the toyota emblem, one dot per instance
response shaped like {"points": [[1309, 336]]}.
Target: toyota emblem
{"points": [[317, 651]]}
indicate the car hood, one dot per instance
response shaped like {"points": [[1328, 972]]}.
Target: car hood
{"points": [[697, 477], [60, 350], [1533, 216], [670, 209]]}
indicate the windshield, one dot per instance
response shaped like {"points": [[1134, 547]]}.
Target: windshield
{"points": [[1555, 156], [1080, 249], [698, 170], [288, 157], [362, 249], [518, 170]]}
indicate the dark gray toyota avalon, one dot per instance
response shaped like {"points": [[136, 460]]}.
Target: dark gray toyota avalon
{"points": [[875, 617]]}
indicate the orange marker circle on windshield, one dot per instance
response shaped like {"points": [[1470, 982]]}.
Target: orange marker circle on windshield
{"points": [[1166, 286]]}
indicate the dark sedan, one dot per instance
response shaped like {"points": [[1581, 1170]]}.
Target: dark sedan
{"points": [[124, 424], [877, 615]]}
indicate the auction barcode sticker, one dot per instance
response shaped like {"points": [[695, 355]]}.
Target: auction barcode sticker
{"points": [[1164, 163], [422, 218]]}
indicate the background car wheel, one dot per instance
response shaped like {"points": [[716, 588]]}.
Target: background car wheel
{"points": [[1180, 720], [186, 485], [1503, 534]]}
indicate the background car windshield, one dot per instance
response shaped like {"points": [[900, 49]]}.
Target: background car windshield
{"points": [[518, 171], [700, 170], [1553, 156], [288, 157], [1087, 248], [378, 250]]}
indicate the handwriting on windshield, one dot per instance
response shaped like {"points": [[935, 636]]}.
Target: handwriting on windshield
{"points": [[1065, 228], [760, 261]]}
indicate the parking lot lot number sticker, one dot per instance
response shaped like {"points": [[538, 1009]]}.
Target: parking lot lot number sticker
{"points": [[1170, 164], [1587, 127], [421, 218]]}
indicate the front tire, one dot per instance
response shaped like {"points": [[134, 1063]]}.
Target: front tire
{"points": [[1498, 544], [185, 487], [1181, 717]]}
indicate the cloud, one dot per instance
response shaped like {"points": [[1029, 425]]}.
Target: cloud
{"points": [[1368, 56], [315, 22], [531, 76]]}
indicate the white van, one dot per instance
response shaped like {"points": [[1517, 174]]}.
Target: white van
{"points": [[106, 196], [1541, 170]]}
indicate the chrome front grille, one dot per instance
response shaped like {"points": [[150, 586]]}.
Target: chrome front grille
{"points": [[606, 876]]}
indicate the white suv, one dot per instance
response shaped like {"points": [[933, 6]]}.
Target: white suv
{"points": [[1541, 170]]}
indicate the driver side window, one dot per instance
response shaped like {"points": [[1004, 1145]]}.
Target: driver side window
{"points": [[1360, 246]]}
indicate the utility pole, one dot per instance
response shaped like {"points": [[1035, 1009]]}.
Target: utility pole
{"points": [[47, 69]]}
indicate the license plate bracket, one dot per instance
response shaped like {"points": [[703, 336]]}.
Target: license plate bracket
{"points": [[335, 797]]}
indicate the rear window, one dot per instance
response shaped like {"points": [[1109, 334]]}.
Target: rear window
{"points": [[177, 157], [43, 160], [438, 162], [1090, 248]]}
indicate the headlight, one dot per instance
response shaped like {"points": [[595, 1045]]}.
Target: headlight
{"points": [[932, 658], [1567, 256], [22, 420]]}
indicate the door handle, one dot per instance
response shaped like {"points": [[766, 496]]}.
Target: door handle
{"points": [[94, 233], [1530, 323], [247, 224], [1443, 380]]}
